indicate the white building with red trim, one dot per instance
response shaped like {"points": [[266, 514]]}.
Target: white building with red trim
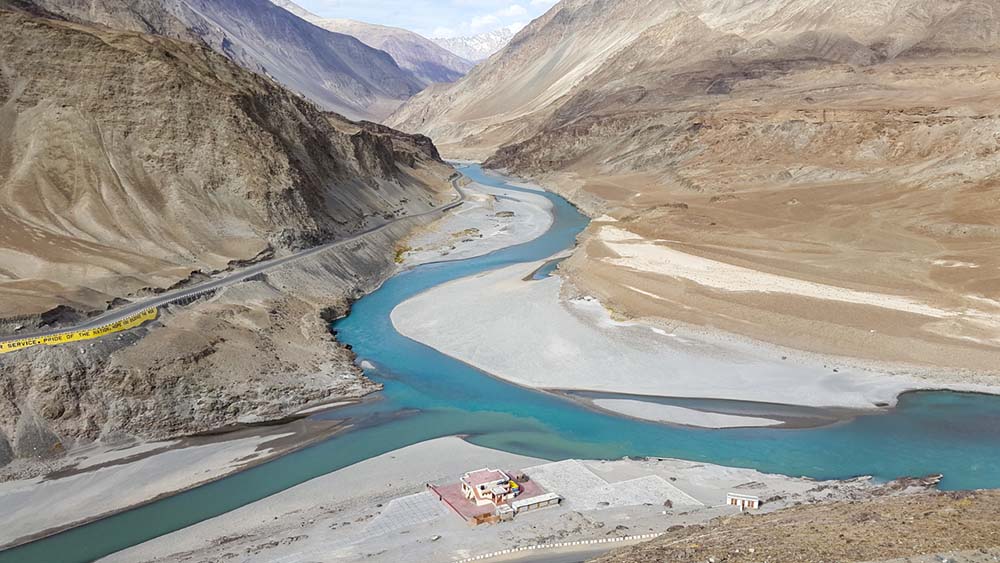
{"points": [[744, 502], [489, 486]]}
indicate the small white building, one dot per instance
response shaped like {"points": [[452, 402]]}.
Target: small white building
{"points": [[488, 486], [744, 502], [534, 503]]}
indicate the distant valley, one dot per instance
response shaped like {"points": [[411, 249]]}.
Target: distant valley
{"points": [[788, 138], [423, 57], [691, 280], [477, 47]]}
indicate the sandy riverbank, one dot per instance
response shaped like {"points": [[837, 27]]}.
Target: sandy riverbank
{"points": [[541, 338], [377, 511], [489, 219], [101, 480], [335, 513], [538, 339], [680, 415]]}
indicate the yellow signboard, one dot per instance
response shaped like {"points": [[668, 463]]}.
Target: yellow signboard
{"points": [[127, 323]]}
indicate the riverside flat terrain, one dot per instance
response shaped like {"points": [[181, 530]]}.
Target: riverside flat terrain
{"points": [[373, 511]]}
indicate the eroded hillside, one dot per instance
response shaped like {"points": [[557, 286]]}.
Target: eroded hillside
{"points": [[811, 175], [336, 71], [130, 162]]}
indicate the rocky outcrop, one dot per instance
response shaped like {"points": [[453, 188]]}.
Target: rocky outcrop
{"points": [[6, 452], [32, 436]]}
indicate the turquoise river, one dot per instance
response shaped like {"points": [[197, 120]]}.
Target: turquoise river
{"points": [[428, 395]]}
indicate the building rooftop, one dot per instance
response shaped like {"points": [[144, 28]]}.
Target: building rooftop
{"points": [[545, 497], [484, 476]]}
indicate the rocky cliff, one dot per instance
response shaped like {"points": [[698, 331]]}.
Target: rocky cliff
{"points": [[256, 352]]}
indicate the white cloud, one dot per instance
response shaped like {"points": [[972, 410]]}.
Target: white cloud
{"points": [[478, 23], [499, 18], [513, 11]]}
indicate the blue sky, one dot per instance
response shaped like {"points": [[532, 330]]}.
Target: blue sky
{"points": [[435, 18]]}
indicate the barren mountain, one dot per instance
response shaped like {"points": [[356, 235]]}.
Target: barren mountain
{"points": [[813, 175], [476, 47], [336, 71], [421, 56], [130, 162]]}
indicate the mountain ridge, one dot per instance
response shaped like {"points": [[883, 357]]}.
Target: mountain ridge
{"points": [[424, 58], [478, 47], [134, 162], [337, 71], [92, 170], [851, 145]]}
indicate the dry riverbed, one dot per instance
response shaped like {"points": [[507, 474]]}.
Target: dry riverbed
{"points": [[489, 219]]}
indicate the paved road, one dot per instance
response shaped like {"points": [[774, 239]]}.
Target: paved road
{"points": [[569, 555], [228, 279]]}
